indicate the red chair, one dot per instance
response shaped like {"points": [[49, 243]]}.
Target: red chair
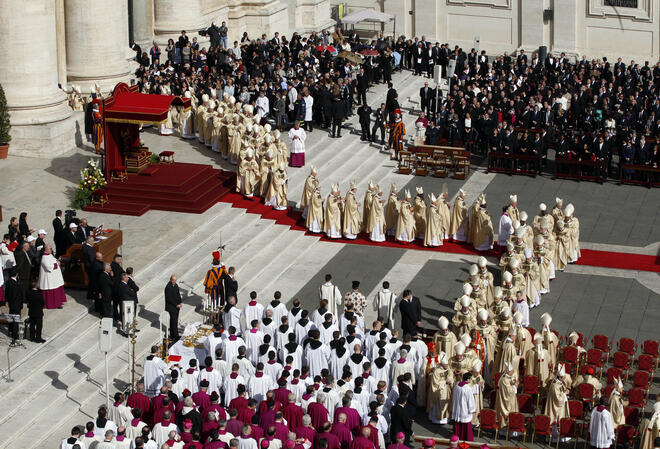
{"points": [[517, 423], [496, 379], [580, 341], [621, 360], [570, 354], [632, 416], [613, 373], [576, 409], [595, 357], [608, 390], [651, 347], [531, 386], [641, 379], [602, 342], [525, 403], [598, 372], [586, 393], [567, 429], [646, 362], [627, 345], [488, 421], [541, 426], [626, 434], [637, 398]]}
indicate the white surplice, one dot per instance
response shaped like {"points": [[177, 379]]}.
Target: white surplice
{"points": [[601, 428], [154, 375], [463, 404]]}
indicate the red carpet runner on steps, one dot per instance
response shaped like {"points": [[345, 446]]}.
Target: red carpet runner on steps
{"points": [[292, 219], [194, 188]]}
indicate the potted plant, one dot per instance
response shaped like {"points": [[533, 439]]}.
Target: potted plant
{"points": [[5, 126]]}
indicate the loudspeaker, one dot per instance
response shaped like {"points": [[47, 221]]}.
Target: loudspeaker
{"points": [[127, 313], [543, 52], [477, 43], [437, 73], [105, 335], [451, 68]]}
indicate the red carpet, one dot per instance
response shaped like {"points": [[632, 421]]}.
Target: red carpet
{"points": [[177, 187], [605, 259]]}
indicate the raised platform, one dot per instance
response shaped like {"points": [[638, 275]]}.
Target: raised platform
{"points": [[176, 187]]}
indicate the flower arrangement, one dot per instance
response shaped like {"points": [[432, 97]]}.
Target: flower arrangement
{"points": [[91, 180]]}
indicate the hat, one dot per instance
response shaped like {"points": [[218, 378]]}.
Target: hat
{"points": [[514, 263], [187, 424], [216, 255], [443, 322], [433, 198], [267, 127], [264, 443], [589, 369], [461, 192], [509, 246], [400, 435], [249, 153], [313, 170], [205, 98], [467, 289], [508, 366], [538, 338], [73, 225], [355, 284], [429, 442], [558, 201], [573, 337], [481, 261], [539, 240], [277, 133], [482, 314], [497, 292], [353, 184], [474, 270], [454, 438], [561, 370], [520, 233], [523, 216], [31, 238], [507, 276], [546, 319], [515, 224], [41, 232], [528, 253], [204, 383], [465, 301], [185, 392], [290, 444], [466, 340], [408, 194], [477, 366], [513, 198], [419, 190], [543, 207], [459, 348], [568, 211], [518, 317], [431, 346], [443, 359]]}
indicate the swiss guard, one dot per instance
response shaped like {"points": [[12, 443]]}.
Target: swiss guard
{"points": [[213, 282]]}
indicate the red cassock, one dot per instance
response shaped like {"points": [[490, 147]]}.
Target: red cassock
{"points": [[293, 414], [318, 413], [362, 443], [141, 401], [343, 432]]}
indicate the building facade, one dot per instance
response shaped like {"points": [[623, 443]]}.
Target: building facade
{"points": [[626, 28], [50, 44]]}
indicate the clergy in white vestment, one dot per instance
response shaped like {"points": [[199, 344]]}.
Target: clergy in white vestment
{"points": [[298, 137], [316, 354], [292, 349], [303, 326], [463, 407], [252, 311], [231, 344], [253, 338], [231, 314], [51, 282], [161, 431], [385, 303], [505, 229], [245, 441], [75, 437], [102, 424], [232, 383], [272, 367], [120, 413], [135, 425], [521, 305], [601, 426], [214, 339], [278, 308], [211, 375], [154, 372], [330, 293], [401, 366], [327, 329], [339, 356], [190, 377], [259, 384]]}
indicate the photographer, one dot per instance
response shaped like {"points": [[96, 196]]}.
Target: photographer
{"points": [[213, 32]]}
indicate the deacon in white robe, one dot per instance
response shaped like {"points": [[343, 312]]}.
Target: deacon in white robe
{"points": [[253, 338], [231, 345], [385, 304], [231, 315], [505, 229], [161, 430], [231, 384], [601, 427], [402, 366], [316, 354], [330, 293], [463, 404], [298, 137], [252, 311], [120, 413], [259, 384], [154, 373], [212, 376], [190, 377]]}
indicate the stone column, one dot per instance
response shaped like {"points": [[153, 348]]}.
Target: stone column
{"points": [[40, 116], [564, 27], [426, 22], [61, 42], [311, 15], [258, 17], [143, 23], [96, 43], [173, 16], [531, 25]]}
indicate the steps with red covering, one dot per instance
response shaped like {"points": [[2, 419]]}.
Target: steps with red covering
{"points": [[177, 187]]}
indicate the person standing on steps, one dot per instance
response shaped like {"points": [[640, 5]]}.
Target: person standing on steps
{"points": [[173, 306]]}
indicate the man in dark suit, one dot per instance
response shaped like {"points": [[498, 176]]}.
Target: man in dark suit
{"points": [[70, 237], [126, 293], [105, 287], [426, 94], [84, 231], [400, 421], [230, 284], [117, 271], [89, 256], [379, 124], [58, 232], [364, 114], [411, 312], [35, 302], [131, 284], [362, 86], [172, 306], [14, 299], [23, 267]]}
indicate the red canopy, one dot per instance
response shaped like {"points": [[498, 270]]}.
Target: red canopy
{"points": [[123, 112]]}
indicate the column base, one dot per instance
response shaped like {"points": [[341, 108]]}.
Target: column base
{"points": [[313, 15], [45, 141], [87, 83], [268, 17]]}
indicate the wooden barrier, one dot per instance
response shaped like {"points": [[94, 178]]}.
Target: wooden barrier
{"points": [[73, 267], [513, 164], [577, 170], [436, 160], [652, 175]]}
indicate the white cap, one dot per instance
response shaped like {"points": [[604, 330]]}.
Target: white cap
{"points": [[461, 192], [543, 207], [312, 170], [514, 263], [408, 194], [561, 370], [248, 127], [73, 225], [568, 211], [523, 216], [482, 314], [334, 188], [467, 289], [474, 281], [573, 337], [433, 198], [520, 233], [268, 138], [507, 276], [442, 358], [249, 153], [506, 313], [353, 184], [465, 301], [481, 261], [508, 366], [546, 319], [538, 338], [187, 94], [497, 292], [515, 224], [42, 232], [528, 253], [561, 225], [31, 238], [618, 383], [270, 154], [443, 322], [476, 366], [277, 133], [459, 348], [282, 166], [539, 240], [558, 201], [474, 270], [466, 340], [205, 98], [419, 190], [518, 317], [513, 198], [509, 246], [267, 127]]}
